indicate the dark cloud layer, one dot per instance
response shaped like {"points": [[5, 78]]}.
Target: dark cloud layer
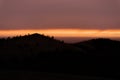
{"points": [[34, 14]]}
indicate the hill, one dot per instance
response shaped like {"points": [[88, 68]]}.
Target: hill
{"points": [[36, 43], [29, 47], [100, 47], [45, 54]]}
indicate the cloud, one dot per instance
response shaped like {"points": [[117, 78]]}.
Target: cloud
{"points": [[29, 14]]}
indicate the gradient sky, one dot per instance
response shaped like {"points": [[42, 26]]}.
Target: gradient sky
{"points": [[34, 14], [60, 18]]}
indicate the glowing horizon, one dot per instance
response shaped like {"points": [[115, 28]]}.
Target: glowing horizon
{"points": [[64, 33]]}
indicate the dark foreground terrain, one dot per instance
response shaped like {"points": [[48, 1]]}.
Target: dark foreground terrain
{"points": [[39, 57], [30, 75]]}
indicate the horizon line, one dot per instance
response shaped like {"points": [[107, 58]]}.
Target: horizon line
{"points": [[93, 33]]}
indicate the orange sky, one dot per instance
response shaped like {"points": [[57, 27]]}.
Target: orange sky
{"points": [[65, 33]]}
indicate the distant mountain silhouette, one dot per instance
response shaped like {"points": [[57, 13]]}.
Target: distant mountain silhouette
{"points": [[35, 45], [44, 53], [44, 43], [100, 47]]}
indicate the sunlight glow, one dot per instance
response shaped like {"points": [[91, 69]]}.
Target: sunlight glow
{"points": [[64, 33]]}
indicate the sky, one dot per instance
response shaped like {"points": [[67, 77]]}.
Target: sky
{"points": [[59, 14]]}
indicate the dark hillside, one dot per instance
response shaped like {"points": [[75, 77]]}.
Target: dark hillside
{"points": [[100, 47], [36, 52]]}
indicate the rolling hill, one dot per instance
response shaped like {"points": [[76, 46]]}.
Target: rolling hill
{"points": [[37, 52], [100, 47]]}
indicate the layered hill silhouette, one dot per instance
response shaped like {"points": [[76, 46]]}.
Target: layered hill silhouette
{"points": [[100, 47], [44, 53], [35, 44]]}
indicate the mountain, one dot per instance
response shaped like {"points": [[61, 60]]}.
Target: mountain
{"points": [[39, 44], [100, 47], [36, 41], [42, 53], [35, 46]]}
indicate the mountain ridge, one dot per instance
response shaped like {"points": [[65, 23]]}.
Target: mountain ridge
{"points": [[43, 53], [42, 43]]}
